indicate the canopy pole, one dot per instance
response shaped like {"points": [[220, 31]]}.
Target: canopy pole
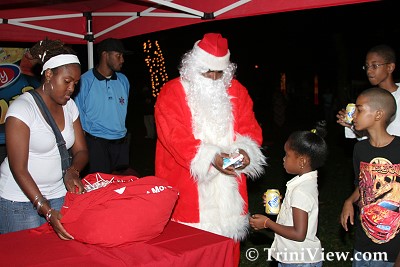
{"points": [[90, 38], [90, 55]]}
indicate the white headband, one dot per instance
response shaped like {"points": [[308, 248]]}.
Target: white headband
{"points": [[60, 60]]}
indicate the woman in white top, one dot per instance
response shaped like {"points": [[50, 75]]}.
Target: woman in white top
{"points": [[32, 185]]}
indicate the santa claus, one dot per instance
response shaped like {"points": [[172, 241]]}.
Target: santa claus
{"points": [[202, 117]]}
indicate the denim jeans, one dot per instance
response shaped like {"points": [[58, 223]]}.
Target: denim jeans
{"points": [[16, 216], [358, 261], [315, 264]]}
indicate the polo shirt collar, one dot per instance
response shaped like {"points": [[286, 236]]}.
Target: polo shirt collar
{"points": [[101, 77], [299, 179]]}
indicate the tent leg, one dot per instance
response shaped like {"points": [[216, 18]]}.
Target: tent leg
{"points": [[90, 55], [90, 38]]}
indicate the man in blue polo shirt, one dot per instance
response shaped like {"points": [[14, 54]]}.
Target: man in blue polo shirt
{"points": [[102, 101]]}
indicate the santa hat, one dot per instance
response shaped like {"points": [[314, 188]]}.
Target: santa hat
{"points": [[212, 51]]}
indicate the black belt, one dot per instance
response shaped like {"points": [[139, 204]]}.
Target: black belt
{"points": [[112, 141]]}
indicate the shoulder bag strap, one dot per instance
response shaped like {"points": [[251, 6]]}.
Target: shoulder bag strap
{"points": [[65, 157]]}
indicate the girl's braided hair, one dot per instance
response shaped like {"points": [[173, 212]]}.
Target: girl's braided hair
{"points": [[46, 49]]}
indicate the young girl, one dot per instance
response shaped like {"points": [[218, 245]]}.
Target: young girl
{"points": [[295, 242]]}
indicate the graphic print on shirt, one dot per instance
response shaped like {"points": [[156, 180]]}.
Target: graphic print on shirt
{"points": [[380, 199]]}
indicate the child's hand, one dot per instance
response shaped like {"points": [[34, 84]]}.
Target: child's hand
{"points": [[341, 118], [347, 214], [257, 221]]}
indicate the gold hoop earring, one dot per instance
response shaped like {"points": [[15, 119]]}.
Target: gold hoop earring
{"points": [[51, 85]]}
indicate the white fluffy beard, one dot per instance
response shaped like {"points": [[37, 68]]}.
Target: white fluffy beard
{"points": [[211, 109]]}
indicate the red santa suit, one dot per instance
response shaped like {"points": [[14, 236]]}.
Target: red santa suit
{"points": [[208, 199]]}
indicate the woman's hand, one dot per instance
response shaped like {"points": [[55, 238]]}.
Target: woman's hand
{"points": [[72, 181], [54, 217]]}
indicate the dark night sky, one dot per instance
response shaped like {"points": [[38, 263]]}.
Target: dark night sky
{"points": [[330, 42]]}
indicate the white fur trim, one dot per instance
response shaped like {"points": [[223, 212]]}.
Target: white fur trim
{"points": [[221, 208], [257, 158], [220, 203], [210, 61], [201, 166]]}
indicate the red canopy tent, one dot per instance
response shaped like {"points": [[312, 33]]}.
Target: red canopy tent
{"points": [[89, 21]]}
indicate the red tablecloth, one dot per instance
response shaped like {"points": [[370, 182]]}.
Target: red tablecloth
{"points": [[179, 245]]}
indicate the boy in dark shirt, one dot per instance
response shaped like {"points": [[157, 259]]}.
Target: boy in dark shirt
{"points": [[377, 168]]}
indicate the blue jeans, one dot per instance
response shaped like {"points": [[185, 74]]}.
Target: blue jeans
{"points": [[358, 260], [16, 216], [315, 264]]}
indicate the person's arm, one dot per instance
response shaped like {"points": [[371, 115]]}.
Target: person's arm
{"points": [[174, 128], [297, 232], [347, 213], [80, 157], [248, 132], [17, 141], [245, 123]]}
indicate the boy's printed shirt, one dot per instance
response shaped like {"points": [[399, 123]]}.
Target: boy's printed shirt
{"points": [[379, 183]]}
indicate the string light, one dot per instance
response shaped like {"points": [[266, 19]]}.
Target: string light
{"points": [[155, 62]]}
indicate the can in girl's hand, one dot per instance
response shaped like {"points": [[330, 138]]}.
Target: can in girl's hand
{"points": [[350, 109], [272, 201]]}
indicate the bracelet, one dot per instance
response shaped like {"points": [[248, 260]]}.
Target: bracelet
{"points": [[73, 169], [34, 200], [266, 222], [48, 214], [40, 203]]}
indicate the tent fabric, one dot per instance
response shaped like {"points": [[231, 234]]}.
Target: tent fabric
{"points": [[90, 21], [79, 22]]}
